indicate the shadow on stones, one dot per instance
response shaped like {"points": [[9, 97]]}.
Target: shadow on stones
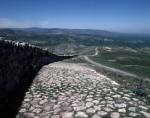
{"points": [[9, 107]]}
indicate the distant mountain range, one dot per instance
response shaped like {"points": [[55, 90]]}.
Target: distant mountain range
{"points": [[58, 40], [49, 31], [11, 32]]}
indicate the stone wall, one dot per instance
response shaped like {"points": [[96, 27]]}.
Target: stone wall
{"points": [[18, 62]]}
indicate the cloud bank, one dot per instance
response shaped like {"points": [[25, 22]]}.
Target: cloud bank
{"points": [[7, 23]]}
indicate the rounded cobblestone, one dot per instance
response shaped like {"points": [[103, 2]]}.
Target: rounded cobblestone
{"points": [[67, 90]]}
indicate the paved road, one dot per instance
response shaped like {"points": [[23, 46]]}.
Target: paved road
{"points": [[109, 68], [67, 90], [96, 52]]}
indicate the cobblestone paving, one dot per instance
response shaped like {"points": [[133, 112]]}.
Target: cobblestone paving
{"points": [[66, 90]]}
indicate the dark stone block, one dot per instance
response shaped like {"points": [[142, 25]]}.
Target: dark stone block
{"points": [[8, 76]]}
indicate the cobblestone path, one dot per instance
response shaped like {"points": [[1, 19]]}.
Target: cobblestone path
{"points": [[67, 90]]}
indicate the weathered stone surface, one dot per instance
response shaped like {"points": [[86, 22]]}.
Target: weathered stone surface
{"points": [[48, 108], [36, 117], [118, 101], [103, 102], [132, 109], [142, 107], [79, 108], [22, 110], [108, 98], [133, 114], [26, 105], [37, 110], [107, 109], [116, 96], [29, 115], [102, 113], [91, 110], [145, 114], [115, 115], [126, 98], [135, 99], [42, 102], [89, 99], [97, 108], [55, 116], [67, 115], [122, 105], [67, 108], [121, 110], [81, 114], [95, 101], [27, 100], [96, 116], [89, 104], [110, 102]]}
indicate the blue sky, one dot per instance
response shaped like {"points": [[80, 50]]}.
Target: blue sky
{"points": [[112, 15]]}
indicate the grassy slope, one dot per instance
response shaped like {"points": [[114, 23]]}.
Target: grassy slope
{"points": [[133, 62]]}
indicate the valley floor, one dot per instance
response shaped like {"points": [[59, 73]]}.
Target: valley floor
{"points": [[68, 90]]}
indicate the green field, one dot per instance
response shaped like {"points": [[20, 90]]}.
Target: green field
{"points": [[133, 62], [83, 39]]}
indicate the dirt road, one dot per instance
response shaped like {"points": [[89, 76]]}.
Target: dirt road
{"points": [[109, 68]]}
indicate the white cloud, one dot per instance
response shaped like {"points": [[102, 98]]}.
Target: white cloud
{"points": [[45, 23]]}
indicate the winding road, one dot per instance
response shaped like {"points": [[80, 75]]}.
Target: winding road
{"points": [[109, 68]]}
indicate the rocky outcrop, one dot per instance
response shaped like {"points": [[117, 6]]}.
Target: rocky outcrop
{"points": [[18, 62], [63, 48]]}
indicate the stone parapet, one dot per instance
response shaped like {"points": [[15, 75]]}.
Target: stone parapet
{"points": [[18, 61]]}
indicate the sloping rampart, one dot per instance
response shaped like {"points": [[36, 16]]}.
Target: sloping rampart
{"points": [[18, 61]]}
